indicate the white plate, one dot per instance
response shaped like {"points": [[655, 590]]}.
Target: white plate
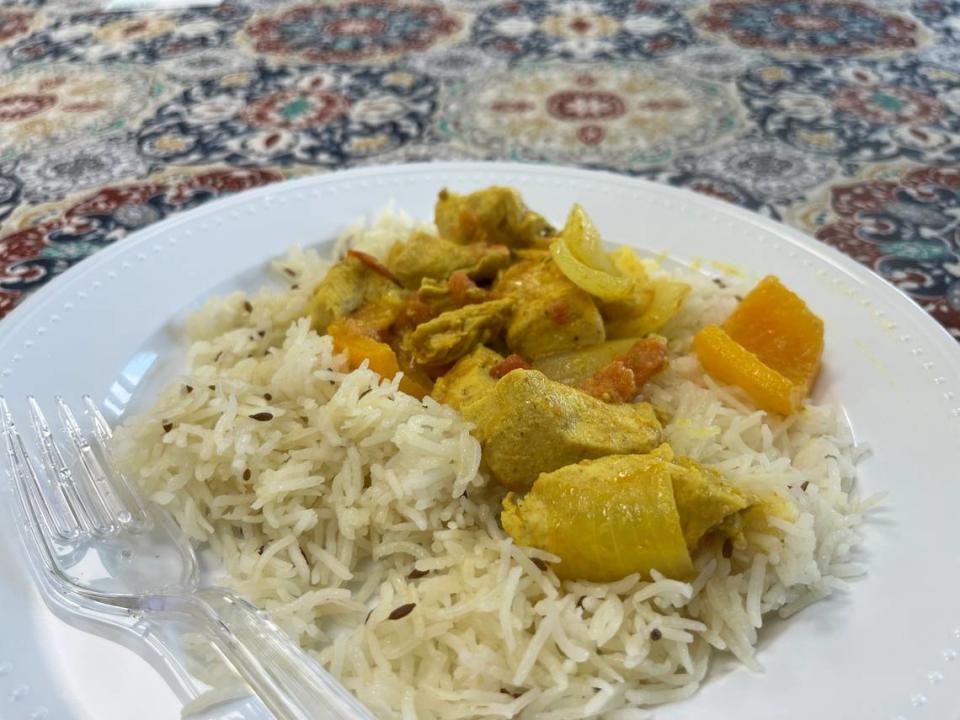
{"points": [[885, 649]]}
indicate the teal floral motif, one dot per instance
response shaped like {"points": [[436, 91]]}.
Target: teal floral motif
{"points": [[283, 115]]}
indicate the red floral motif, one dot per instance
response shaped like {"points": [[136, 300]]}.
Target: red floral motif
{"points": [[21, 106], [822, 27], [92, 215], [14, 23], [22, 245], [924, 180], [512, 106], [888, 105], [8, 301], [352, 31], [711, 189], [591, 134], [86, 106], [577, 105], [296, 109], [888, 224], [843, 236], [108, 200], [222, 182], [849, 199]]}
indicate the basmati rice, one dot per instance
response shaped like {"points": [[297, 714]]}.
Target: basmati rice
{"points": [[354, 499]]}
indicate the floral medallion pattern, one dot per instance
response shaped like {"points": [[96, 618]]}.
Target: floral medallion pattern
{"points": [[581, 29], [813, 27], [283, 116], [52, 238], [770, 170], [860, 112], [904, 223], [45, 105], [52, 174], [352, 31], [623, 117], [94, 36], [841, 117]]}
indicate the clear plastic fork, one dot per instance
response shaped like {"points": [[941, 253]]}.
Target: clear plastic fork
{"points": [[94, 537]]}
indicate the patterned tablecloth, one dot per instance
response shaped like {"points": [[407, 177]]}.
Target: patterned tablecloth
{"points": [[839, 117]]}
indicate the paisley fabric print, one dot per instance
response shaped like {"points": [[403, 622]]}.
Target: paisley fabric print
{"points": [[581, 30], [622, 117], [352, 31], [56, 237], [834, 28], [860, 112], [46, 105], [901, 222], [284, 116]]}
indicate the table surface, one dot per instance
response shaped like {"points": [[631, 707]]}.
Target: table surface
{"points": [[840, 118]]}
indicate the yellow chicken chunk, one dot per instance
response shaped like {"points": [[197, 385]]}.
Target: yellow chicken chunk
{"points": [[529, 425], [453, 334], [429, 256], [493, 215], [703, 498], [552, 314], [605, 518]]}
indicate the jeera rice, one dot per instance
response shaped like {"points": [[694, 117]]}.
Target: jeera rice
{"points": [[358, 517]]}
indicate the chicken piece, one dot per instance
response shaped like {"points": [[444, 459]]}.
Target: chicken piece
{"points": [[466, 385], [438, 296], [605, 518], [428, 256], [375, 317], [704, 499], [456, 291], [454, 333], [553, 315], [347, 285], [529, 425], [495, 215]]}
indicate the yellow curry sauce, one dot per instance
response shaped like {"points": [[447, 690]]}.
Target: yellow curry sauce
{"points": [[543, 340]]}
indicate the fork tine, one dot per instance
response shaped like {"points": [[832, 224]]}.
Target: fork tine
{"points": [[114, 495], [50, 523], [103, 435], [76, 503]]}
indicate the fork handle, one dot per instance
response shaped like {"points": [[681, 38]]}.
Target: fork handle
{"points": [[290, 683]]}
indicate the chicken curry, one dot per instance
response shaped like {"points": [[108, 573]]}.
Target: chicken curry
{"points": [[543, 340]]}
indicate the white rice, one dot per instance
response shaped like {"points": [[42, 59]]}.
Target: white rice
{"points": [[352, 485]]}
